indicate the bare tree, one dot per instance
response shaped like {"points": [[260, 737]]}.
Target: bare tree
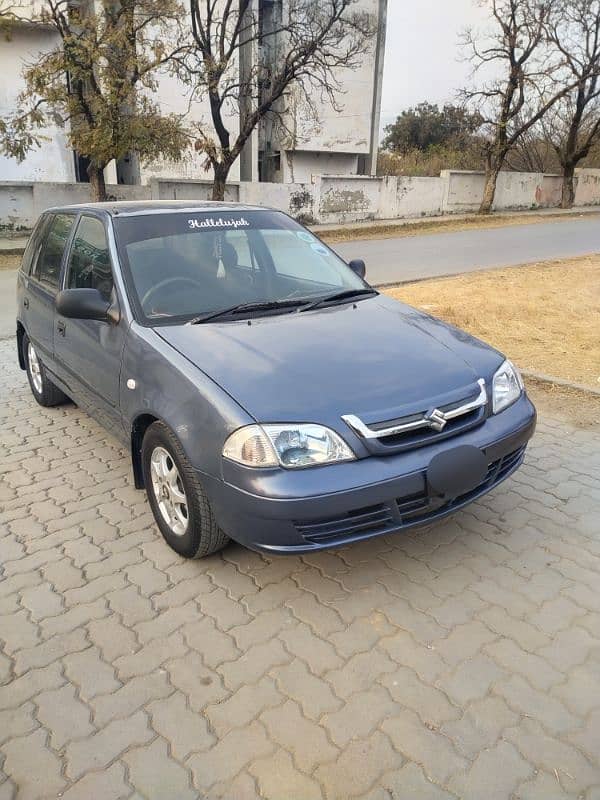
{"points": [[98, 81], [532, 152], [573, 125], [249, 66], [512, 103], [8, 17]]}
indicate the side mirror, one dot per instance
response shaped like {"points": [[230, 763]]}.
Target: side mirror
{"points": [[82, 304], [358, 265]]}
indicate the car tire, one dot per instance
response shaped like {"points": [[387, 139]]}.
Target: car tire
{"points": [[42, 388], [178, 501]]}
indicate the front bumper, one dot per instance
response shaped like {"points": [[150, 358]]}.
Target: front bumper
{"points": [[286, 511]]}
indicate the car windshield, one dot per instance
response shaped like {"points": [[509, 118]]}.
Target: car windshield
{"points": [[181, 266]]}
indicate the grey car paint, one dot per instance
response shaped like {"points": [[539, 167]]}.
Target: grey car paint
{"points": [[375, 358]]}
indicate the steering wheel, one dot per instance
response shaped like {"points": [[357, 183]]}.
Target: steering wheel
{"points": [[166, 282]]}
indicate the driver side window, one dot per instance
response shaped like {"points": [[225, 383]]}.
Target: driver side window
{"points": [[89, 262]]}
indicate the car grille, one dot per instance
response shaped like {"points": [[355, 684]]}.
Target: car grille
{"points": [[419, 429], [404, 511]]}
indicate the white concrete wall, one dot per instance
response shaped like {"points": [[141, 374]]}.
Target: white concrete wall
{"points": [[347, 198], [347, 130], [324, 199], [588, 187], [22, 203], [514, 190], [417, 197], [314, 126], [549, 195], [300, 166], [53, 160], [174, 189], [462, 191], [518, 190]]}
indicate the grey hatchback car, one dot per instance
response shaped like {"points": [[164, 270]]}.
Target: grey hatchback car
{"points": [[265, 391]]}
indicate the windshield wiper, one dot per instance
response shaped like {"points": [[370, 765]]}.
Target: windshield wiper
{"points": [[347, 294], [241, 307]]}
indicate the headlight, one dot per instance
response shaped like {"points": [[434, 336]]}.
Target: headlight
{"points": [[507, 386], [291, 446]]}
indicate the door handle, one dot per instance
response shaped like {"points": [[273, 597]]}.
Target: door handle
{"points": [[25, 302], [61, 327]]}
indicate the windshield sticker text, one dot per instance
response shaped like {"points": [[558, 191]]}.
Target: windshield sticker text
{"points": [[210, 222]]}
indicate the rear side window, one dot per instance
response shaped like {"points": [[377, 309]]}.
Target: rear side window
{"points": [[47, 269], [89, 263], [33, 246]]}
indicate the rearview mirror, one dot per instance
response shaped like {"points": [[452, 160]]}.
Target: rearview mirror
{"points": [[82, 304], [358, 265]]}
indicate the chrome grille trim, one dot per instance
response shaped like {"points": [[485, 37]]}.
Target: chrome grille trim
{"points": [[435, 419]]}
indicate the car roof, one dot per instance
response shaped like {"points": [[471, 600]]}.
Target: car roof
{"points": [[138, 207]]}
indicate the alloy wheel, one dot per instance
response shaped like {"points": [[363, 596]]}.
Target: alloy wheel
{"points": [[34, 368], [168, 491]]}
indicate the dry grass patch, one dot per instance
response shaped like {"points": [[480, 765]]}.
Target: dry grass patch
{"points": [[545, 316], [410, 228], [9, 261]]}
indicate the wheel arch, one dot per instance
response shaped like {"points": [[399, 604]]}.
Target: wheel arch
{"points": [[20, 336], [138, 429]]}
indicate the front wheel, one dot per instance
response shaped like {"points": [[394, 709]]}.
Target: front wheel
{"points": [[42, 388], [177, 499]]}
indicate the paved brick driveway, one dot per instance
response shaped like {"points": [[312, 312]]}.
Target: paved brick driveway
{"points": [[462, 661]]}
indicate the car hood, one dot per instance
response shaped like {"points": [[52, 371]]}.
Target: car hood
{"points": [[376, 358]]}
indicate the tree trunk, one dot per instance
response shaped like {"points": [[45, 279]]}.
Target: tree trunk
{"points": [[489, 192], [221, 171], [568, 187], [97, 185]]}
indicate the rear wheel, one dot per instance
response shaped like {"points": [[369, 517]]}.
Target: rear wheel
{"points": [[42, 388], [177, 499]]}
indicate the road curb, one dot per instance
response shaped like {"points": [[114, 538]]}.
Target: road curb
{"points": [[12, 251], [580, 387]]}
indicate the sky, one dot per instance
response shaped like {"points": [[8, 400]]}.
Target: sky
{"points": [[422, 52]]}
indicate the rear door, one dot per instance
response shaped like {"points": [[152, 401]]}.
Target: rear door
{"points": [[28, 262], [88, 352], [43, 284]]}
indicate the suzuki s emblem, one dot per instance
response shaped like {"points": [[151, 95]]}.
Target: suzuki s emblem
{"points": [[436, 419]]}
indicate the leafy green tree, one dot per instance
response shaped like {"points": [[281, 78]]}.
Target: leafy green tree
{"points": [[98, 81], [426, 125]]}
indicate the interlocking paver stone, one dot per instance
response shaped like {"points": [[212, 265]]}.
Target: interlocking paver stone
{"points": [[108, 784], [230, 754], [304, 739], [64, 715], [33, 766], [243, 706], [98, 750], [277, 777], [359, 766], [314, 695], [424, 745], [458, 661], [156, 774], [134, 694], [495, 774], [185, 730]]}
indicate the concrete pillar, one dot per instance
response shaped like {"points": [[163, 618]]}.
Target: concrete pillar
{"points": [[371, 165], [247, 58]]}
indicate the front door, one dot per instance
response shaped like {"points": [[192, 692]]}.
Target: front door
{"points": [[88, 351]]}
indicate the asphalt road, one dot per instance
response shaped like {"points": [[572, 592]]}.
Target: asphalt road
{"points": [[434, 254], [430, 255]]}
